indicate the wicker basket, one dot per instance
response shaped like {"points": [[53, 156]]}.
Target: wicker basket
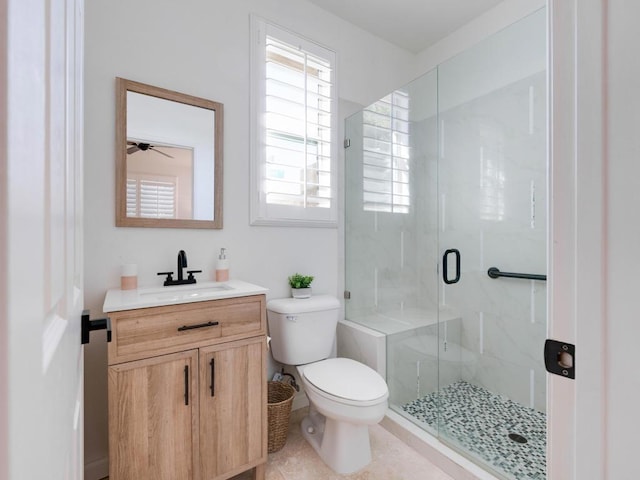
{"points": [[280, 398]]}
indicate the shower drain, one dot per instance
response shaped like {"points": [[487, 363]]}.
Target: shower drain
{"points": [[517, 438]]}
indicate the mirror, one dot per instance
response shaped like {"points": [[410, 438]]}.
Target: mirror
{"points": [[169, 158]]}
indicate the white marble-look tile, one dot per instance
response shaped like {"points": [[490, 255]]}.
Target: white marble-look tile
{"points": [[504, 378], [514, 340]]}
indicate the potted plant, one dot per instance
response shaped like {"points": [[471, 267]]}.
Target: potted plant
{"points": [[300, 285]]}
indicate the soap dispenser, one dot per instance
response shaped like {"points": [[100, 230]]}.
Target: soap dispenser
{"points": [[222, 269]]}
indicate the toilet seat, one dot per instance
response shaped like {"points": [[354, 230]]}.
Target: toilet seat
{"points": [[346, 381]]}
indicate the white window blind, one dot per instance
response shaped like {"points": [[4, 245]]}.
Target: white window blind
{"points": [[386, 155], [295, 150], [151, 197]]}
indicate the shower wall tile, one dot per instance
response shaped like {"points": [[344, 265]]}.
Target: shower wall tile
{"points": [[513, 340], [540, 305], [472, 333], [540, 389], [516, 251], [504, 378], [476, 292], [427, 259]]}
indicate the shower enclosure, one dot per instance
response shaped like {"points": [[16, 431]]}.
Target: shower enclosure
{"points": [[446, 179]]}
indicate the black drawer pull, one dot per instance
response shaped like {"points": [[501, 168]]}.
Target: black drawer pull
{"points": [[200, 325]]}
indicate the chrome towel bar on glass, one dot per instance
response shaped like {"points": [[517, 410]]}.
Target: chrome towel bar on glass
{"points": [[493, 272]]}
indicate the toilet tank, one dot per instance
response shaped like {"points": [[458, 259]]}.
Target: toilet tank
{"points": [[302, 330]]}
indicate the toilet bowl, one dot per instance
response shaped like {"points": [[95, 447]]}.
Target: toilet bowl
{"points": [[345, 396]]}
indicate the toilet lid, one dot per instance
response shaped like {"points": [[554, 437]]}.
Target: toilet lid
{"points": [[346, 378]]}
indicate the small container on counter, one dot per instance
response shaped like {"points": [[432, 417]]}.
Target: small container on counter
{"points": [[129, 277], [222, 268]]}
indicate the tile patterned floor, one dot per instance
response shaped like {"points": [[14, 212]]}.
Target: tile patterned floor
{"points": [[480, 422], [392, 460]]}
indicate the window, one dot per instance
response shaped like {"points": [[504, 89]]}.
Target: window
{"points": [[151, 197], [385, 156], [294, 130]]}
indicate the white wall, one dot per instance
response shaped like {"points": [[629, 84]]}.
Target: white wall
{"points": [[201, 47]]}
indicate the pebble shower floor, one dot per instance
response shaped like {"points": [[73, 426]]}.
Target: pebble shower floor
{"points": [[480, 422]]}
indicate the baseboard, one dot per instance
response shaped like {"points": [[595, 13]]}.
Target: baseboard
{"points": [[445, 458], [96, 470]]}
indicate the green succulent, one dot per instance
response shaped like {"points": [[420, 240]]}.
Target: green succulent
{"points": [[300, 281]]}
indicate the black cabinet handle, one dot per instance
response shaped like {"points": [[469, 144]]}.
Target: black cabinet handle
{"points": [[200, 325], [445, 261], [213, 376], [186, 384]]}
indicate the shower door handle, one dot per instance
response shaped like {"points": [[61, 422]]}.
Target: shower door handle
{"points": [[445, 262]]}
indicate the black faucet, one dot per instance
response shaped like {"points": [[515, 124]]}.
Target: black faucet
{"points": [[182, 264]]}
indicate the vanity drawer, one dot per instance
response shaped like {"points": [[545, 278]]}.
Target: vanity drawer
{"points": [[147, 332]]}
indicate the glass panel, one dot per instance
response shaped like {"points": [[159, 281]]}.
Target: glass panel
{"points": [[492, 187], [391, 235]]}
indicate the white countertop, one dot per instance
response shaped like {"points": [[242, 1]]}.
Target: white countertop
{"points": [[117, 299]]}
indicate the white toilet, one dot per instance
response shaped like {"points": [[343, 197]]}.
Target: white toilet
{"points": [[345, 396]]}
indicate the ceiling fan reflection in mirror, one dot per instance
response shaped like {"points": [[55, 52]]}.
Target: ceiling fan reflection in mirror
{"points": [[141, 146]]}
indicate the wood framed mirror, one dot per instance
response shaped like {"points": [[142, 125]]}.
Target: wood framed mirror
{"points": [[169, 162]]}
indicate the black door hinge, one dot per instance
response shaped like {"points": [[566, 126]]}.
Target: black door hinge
{"points": [[88, 326]]}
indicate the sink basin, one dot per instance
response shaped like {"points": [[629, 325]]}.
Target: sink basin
{"points": [[117, 299], [206, 289]]}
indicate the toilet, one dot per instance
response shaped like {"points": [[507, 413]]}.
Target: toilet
{"points": [[345, 396]]}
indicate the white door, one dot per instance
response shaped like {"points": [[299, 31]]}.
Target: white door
{"points": [[41, 389]]}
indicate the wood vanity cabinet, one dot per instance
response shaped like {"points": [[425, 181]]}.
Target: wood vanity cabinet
{"points": [[187, 391]]}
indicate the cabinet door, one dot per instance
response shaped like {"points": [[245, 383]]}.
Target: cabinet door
{"points": [[233, 403], [153, 418]]}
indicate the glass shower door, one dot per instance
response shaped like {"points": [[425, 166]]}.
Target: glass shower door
{"points": [[492, 210]]}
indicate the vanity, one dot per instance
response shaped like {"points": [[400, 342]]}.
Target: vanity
{"points": [[187, 382]]}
